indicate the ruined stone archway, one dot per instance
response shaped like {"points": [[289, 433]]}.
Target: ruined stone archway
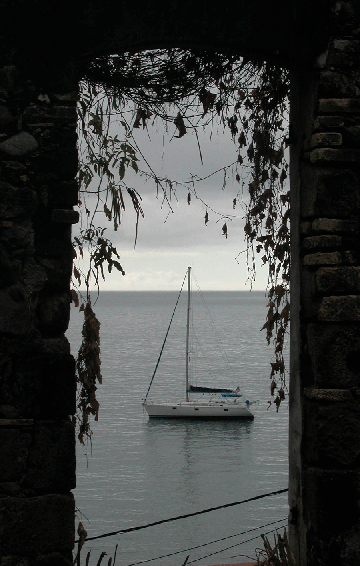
{"points": [[45, 48]]}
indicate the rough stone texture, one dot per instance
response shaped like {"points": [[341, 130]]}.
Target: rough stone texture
{"points": [[65, 216], [346, 308], [330, 193], [328, 139], [40, 456], [41, 386], [37, 525], [328, 122], [341, 365], [339, 105], [335, 84], [327, 443], [331, 258], [38, 164], [15, 315], [58, 272], [335, 155], [333, 225], [16, 202], [6, 117], [15, 445], [338, 279], [19, 145], [51, 458], [336, 506], [325, 327], [53, 313], [344, 53], [325, 241], [331, 395]]}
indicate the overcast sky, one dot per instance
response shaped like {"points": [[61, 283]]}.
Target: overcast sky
{"points": [[168, 242]]}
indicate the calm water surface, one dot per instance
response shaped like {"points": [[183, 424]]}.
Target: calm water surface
{"points": [[139, 471]]}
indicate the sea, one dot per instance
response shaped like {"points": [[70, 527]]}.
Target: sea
{"points": [[136, 471]]}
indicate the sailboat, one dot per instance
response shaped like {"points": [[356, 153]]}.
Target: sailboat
{"points": [[220, 404]]}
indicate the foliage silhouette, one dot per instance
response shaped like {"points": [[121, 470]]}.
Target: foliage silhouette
{"points": [[186, 90]]}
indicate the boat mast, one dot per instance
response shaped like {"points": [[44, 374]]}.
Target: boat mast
{"points": [[187, 337]]}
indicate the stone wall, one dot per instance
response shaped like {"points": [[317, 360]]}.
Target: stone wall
{"points": [[38, 165], [325, 404]]}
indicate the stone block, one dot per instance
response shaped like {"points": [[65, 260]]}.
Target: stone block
{"points": [[8, 275], [326, 139], [39, 384], [350, 257], [55, 114], [6, 117], [351, 135], [67, 97], [14, 449], [309, 298], [65, 216], [66, 113], [339, 105], [15, 313], [37, 525], [329, 395], [53, 313], [19, 145], [19, 236], [339, 84], [332, 497], [319, 258], [328, 123], [330, 193], [39, 113], [16, 202], [8, 412], [305, 227], [64, 195], [344, 280], [333, 225], [335, 155], [14, 173], [51, 559], [54, 559], [58, 271], [55, 346], [15, 560], [331, 432], [51, 458], [53, 240], [334, 352], [337, 193], [34, 276], [324, 241], [62, 162], [344, 53], [342, 308]]}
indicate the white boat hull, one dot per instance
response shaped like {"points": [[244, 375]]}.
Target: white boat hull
{"points": [[194, 410]]}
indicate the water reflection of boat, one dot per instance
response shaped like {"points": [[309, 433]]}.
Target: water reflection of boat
{"points": [[211, 402]]}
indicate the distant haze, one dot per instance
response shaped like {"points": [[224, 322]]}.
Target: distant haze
{"points": [[169, 241]]}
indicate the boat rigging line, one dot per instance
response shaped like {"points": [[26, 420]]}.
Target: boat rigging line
{"points": [[162, 521], [166, 335]]}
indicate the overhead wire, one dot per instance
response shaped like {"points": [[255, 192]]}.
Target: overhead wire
{"points": [[187, 515], [206, 544], [232, 546]]}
